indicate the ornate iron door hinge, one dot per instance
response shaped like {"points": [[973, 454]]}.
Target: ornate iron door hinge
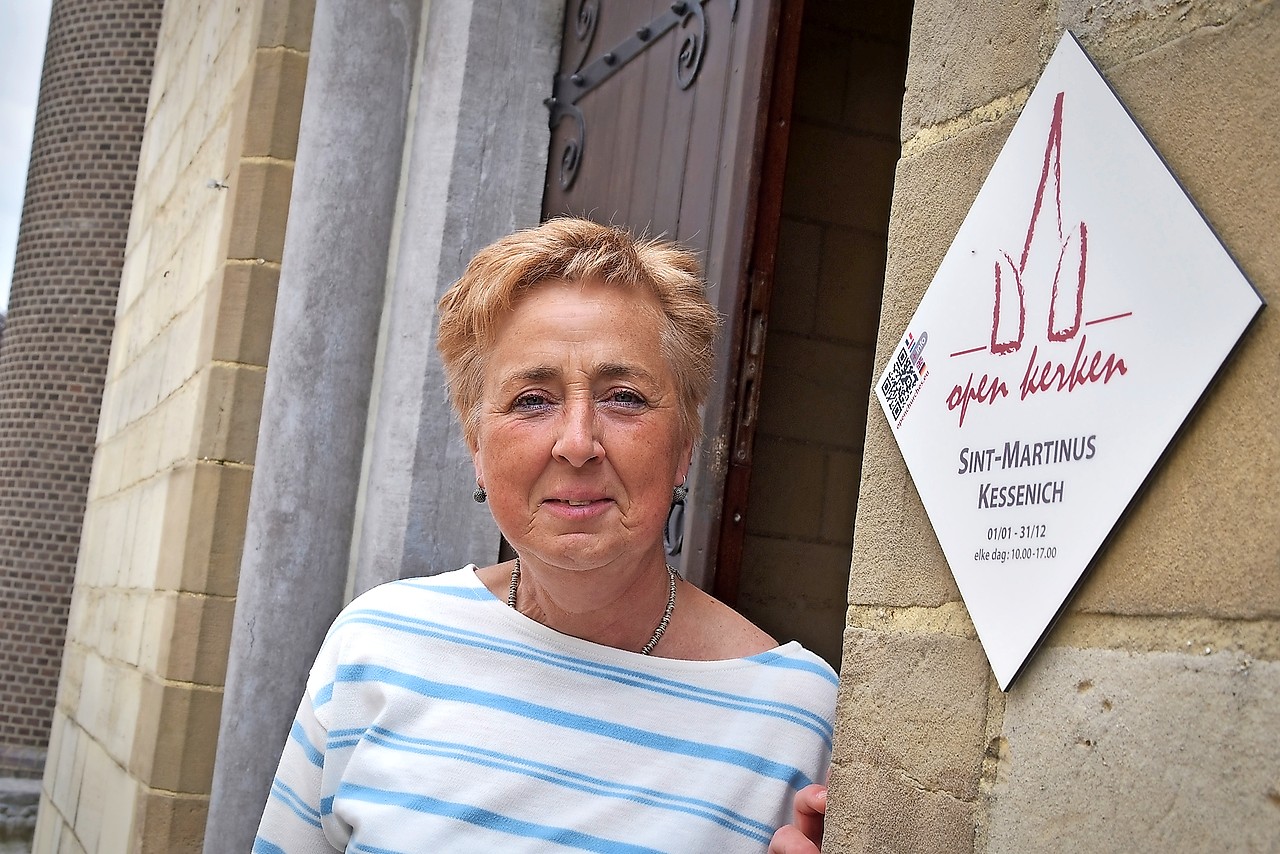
{"points": [[569, 88]]}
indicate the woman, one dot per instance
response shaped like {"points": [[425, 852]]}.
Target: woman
{"points": [[581, 697]]}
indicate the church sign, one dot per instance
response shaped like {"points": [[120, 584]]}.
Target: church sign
{"points": [[1076, 320]]}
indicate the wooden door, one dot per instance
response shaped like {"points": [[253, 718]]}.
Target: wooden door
{"points": [[661, 122]]}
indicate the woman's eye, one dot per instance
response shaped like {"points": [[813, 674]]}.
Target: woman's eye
{"points": [[530, 400], [626, 397]]}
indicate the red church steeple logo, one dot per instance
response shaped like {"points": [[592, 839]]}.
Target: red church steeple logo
{"points": [[1067, 297], [1044, 286]]}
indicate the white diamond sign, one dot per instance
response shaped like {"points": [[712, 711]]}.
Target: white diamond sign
{"points": [[1073, 325]]}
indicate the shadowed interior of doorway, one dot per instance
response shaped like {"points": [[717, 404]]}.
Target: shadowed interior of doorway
{"points": [[823, 317]]}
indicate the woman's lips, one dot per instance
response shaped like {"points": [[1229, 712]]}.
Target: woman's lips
{"points": [[577, 508]]}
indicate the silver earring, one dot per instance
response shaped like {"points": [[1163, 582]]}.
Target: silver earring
{"points": [[679, 493], [479, 496]]}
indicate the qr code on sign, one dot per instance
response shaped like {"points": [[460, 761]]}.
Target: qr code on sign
{"points": [[899, 383]]}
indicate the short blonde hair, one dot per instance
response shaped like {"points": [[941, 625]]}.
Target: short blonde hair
{"points": [[577, 250]]}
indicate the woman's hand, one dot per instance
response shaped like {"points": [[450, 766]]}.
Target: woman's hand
{"points": [[805, 835]]}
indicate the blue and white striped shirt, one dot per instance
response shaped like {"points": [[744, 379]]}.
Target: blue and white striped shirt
{"points": [[437, 719]]}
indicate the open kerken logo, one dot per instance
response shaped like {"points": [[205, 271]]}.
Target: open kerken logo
{"points": [[1047, 285]]}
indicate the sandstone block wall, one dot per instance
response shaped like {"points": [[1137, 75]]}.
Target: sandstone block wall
{"points": [[1146, 723], [134, 731]]}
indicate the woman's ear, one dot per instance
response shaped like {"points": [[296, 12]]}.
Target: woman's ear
{"points": [[686, 463]]}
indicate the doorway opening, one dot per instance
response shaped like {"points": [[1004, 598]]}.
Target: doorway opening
{"points": [[823, 316]]}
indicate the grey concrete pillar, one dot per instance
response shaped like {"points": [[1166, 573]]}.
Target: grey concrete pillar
{"points": [[477, 165], [297, 545]]}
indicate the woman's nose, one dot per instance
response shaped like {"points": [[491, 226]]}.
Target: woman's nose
{"points": [[577, 443]]}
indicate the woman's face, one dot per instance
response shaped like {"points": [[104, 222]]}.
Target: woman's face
{"points": [[579, 442]]}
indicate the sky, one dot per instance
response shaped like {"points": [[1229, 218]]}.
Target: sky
{"points": [[23, 26]]}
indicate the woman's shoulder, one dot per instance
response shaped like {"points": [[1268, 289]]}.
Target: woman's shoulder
{"points": [[455, 584], [718, 632], [407, 601], [403, 614], [710, 630]]}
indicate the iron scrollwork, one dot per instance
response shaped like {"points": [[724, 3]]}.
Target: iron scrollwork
{"points": [[569, 88], [585, 21], [692, 42]]}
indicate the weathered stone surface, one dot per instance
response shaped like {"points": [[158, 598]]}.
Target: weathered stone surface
{"points": [[1109, 750], [1140, 749], [314, 405], [273, 104], [286, 23], [170, 822], [229, 413], [1118, 30], [966, 54], [165, 753], [240, 308], [896, 556], [875, 810], [476, 169], [914, 705], [156, 413], [909, 743], [204, 521], [187, 637], [19, 800], [897, 559], [259, 205]]}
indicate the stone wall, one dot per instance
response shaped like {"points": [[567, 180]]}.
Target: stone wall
{"points": [[1147, 721], [132, 744]]}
